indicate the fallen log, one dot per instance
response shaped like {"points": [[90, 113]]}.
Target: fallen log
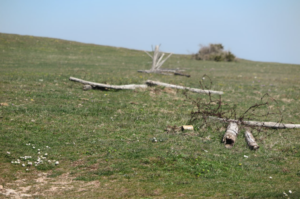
{"points": [[250, 140], [230, 135], [154, 71], [181, 74], [195, 90], [172, 70], [118, 87], [165, 72], [275, 125]]}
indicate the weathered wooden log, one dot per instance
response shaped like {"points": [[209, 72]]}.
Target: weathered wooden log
{"points": [[172, 70], [250, 140], [164, 72], [154, 71], [118, 87], [230, 135], [274, 125], [181, 74], [195, 90]]}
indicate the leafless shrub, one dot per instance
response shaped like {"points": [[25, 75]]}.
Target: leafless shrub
{"points": [[214, 52], [206, 108]]}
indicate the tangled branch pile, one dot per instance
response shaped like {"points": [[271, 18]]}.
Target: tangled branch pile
{"points": [[207, 109], [214, 52]]}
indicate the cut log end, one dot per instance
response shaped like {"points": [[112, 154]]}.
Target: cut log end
{"points": [[229, 140], [230, 135]]}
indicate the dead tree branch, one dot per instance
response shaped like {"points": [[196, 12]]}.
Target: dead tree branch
{"points": [[274, 125], [158, 61], [195, 90], [118, 87]]}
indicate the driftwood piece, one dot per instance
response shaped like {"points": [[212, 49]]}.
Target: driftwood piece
{"points": [[195, 90], [230, 135], [274, 125], [118, 87], [250, 140]]}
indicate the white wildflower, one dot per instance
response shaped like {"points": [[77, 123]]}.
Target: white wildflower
{"points": [[245, 156], [290, 191]]}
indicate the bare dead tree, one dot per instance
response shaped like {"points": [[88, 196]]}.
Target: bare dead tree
{"points": [[157, 61]]}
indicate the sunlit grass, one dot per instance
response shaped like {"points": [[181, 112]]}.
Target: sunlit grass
{"points": [[106, 136]]}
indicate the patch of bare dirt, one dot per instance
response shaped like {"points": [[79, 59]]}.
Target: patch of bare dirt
{"points": [[170, 91], [45, 186], [286, 100]]}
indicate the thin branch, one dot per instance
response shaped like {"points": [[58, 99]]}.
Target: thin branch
{"points": [[149, 54], [160, 64]]}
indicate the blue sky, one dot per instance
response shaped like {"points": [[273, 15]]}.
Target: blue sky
{"points": [[258, 30]]}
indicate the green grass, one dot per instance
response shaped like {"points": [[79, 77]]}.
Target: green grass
{"points": [[105, 136]]}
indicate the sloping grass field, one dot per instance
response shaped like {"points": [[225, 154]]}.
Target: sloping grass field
{"points": [[99, 143]]}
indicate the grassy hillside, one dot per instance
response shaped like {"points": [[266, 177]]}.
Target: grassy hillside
{"points": [[102, 139]]}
